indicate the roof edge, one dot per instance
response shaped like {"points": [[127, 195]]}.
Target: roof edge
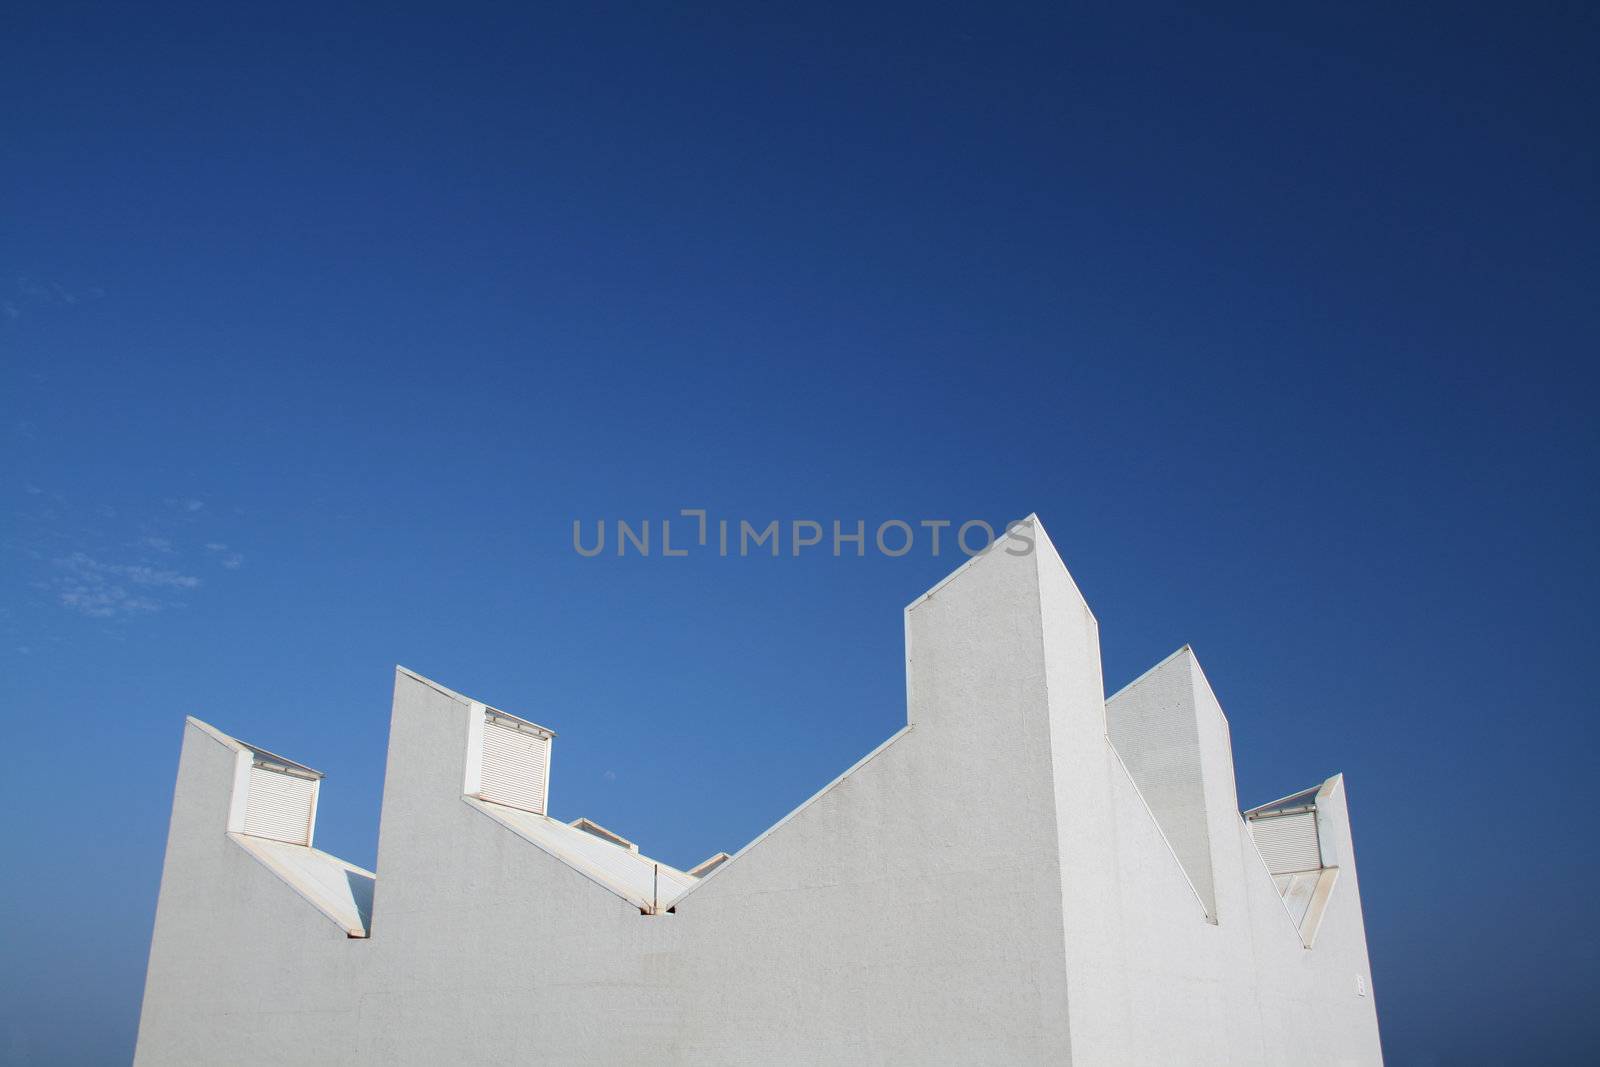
{"points": [[231, 742], [445, 690]]}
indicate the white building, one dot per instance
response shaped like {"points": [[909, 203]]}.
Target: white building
{"points": [[1025, 873]]}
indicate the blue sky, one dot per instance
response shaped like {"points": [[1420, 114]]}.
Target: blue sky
{"points": [[319, 328]]}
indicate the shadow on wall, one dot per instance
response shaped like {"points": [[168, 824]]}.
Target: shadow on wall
{"points": [[361, 891]]}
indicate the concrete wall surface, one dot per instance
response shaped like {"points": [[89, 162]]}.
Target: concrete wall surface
{"points": [[1024, 874]]}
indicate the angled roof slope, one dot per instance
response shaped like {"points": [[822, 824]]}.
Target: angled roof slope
{"points": [[646, 883], [340, 890]]}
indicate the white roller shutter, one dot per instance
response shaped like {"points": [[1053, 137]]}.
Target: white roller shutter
{"points": [[516, 766], [279, 806], [1288, 842]]}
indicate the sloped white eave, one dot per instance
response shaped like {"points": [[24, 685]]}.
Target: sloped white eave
{"points": [[464, 699], [647, 884], [340, 890], [256, 751]]}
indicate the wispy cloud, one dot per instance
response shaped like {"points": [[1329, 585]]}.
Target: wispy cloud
{"points": [[25, 293], [106, 590], [115, 564]]}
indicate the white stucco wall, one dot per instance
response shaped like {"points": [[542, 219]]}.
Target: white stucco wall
{"points": [[988, 887]]}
